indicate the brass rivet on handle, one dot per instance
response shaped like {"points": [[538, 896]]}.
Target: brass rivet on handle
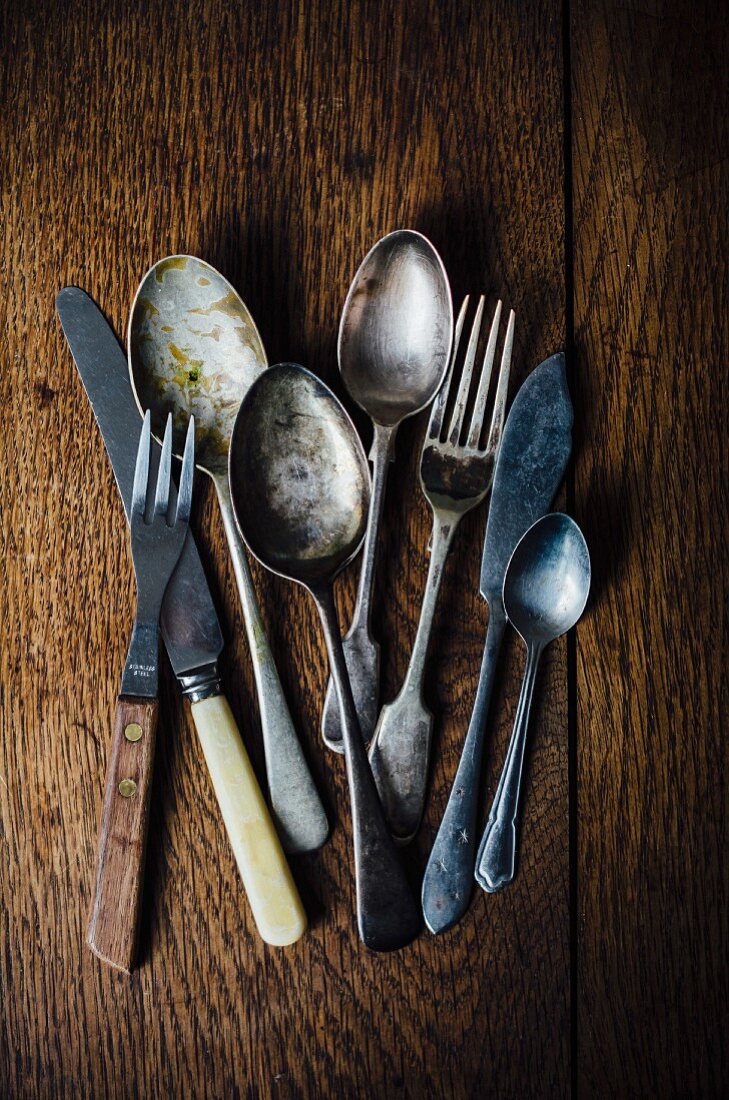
{"points": [[133, 731], [127, 788]]}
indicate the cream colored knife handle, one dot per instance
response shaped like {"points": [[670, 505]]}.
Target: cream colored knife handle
{"points": [[272, 893]]}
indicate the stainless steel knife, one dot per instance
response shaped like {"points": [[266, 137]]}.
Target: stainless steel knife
{"points": [[191, 634], [534, 452]]}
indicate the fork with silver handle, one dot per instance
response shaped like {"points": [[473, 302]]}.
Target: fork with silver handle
{"points": [[456, 473]]}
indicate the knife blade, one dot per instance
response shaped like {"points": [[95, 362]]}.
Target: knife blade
{"points": [[534, 452], [189, 621]]}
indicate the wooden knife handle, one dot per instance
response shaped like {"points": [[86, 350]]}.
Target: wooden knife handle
{"points": [[115, 906], [272, 894]]}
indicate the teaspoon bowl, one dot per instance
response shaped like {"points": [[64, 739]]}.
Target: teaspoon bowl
{"points": [[548, 579]]}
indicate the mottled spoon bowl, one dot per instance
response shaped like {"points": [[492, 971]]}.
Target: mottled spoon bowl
{"points": [[194, 349], [299, 480]]}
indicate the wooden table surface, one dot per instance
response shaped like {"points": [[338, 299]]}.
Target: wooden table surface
{"points": [[571, 159]]}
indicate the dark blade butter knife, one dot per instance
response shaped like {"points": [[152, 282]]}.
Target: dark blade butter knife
{"points": [[191, 633], [534, 452]]}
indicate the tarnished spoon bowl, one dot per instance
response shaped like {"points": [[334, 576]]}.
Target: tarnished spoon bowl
{"points": [[396, 329], [298, 477], [300, 487]]}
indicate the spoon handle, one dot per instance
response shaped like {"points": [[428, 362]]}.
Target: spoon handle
{"points": [[297, 808], [496, 859], [400, 749], [388, 915], [448, 879], [361, 651]]}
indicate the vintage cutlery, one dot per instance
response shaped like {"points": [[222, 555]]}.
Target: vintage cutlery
{"points": [[158, 526], [534, 451], [545, 591], [300, 487], [394, 343], [189, 623], [194, 348], [456, 472], [191, 633]]}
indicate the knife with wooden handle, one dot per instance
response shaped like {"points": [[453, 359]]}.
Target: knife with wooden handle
{"points": [[192, 636]]}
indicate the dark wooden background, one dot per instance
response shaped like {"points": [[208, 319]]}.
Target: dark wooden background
{"points": [[570, 159]]}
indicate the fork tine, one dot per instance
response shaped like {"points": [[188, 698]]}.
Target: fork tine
{"points": [[141, 469], [479, 409], [502, 389], [162, 495], [439, 405], [465, 384], [184, 497]]}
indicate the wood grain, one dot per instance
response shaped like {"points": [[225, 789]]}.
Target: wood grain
{"points": [[278, 141], [113, 929], [650, 107]]}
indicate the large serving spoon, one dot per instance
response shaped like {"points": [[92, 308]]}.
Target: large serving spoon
{"points": [[300, 488], [545, 592], [194, 349], [394, 346]]}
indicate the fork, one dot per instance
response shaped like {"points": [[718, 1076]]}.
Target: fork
{"points": [[158, 530], [456, 473]]}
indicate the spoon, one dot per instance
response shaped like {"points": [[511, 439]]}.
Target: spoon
{"points": [[394, 347], [194, 350], [545, 592], [300, 488]]}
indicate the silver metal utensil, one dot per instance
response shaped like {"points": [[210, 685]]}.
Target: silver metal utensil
{"points": [[394, 343], [456, 472], [300, 487], [194, 348], [545, 592], [534, 451], [158, 529]]}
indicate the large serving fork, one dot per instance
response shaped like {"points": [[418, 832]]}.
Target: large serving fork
{"points": [[158, 523], [456, 472]]}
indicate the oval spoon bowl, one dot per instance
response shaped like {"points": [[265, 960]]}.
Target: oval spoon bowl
{"points": [[396, 329], [547, 581], [194, 351], [304, 513]]}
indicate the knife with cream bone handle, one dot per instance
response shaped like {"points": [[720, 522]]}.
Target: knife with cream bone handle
{"points": [[192, 636]]}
